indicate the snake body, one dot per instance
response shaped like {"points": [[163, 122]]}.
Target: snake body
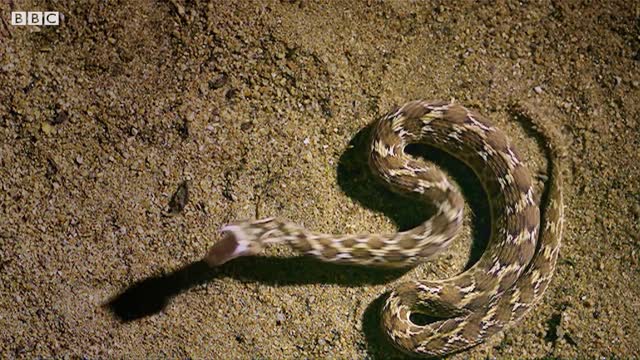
{"points": [[509, 278]]}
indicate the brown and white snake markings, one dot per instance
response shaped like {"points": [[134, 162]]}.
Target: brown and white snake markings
{"points": [[509, 278]]}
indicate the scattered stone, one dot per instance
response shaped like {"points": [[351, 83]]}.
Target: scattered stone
{"points": [[52, 168], [308, 157], [588, 302], [538, 89], [617, 80], [218, 82], [325, 105], [635, 209], [231, 94], [179, 8], [179, 199], [183, 129], [60, 117], [229, 195], [47, 129], [79, 160], [204, 88]]}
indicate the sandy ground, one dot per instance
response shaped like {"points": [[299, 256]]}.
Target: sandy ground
{"points": [[261, 108]]}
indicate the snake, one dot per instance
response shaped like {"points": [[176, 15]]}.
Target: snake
{"points": [[508, 279]]}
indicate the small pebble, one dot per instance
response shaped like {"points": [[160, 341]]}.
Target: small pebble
{"points": [[308, 157], [218, 82], [204, 88], [538, 89], [47, 129], [231, 94], [79, 159], [617, 80], [179, 8], [179, 199], [60, 117], [588, 302]]}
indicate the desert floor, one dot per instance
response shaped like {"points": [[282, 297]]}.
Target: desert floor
{"points": [[261, 109]]}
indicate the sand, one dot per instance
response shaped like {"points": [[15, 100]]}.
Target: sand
{"points": [[261, 108]]}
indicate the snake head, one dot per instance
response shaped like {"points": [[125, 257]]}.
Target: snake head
{"points": [[232, 245]]}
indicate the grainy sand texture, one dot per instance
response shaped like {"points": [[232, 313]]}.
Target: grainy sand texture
{"points": [[249, 109]]}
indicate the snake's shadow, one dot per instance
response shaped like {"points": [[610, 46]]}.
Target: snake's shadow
{"points": [[152, 295]]}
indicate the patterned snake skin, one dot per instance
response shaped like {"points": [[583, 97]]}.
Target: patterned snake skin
{"points": [[509, 278]]}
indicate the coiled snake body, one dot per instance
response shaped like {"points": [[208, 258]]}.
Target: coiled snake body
{"points": [[509, 278]]}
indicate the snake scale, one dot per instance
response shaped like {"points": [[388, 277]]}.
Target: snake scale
{"points": [[494, 293]]}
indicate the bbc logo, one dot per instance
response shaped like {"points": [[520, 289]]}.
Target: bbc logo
{"points": [[45, 18]]}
